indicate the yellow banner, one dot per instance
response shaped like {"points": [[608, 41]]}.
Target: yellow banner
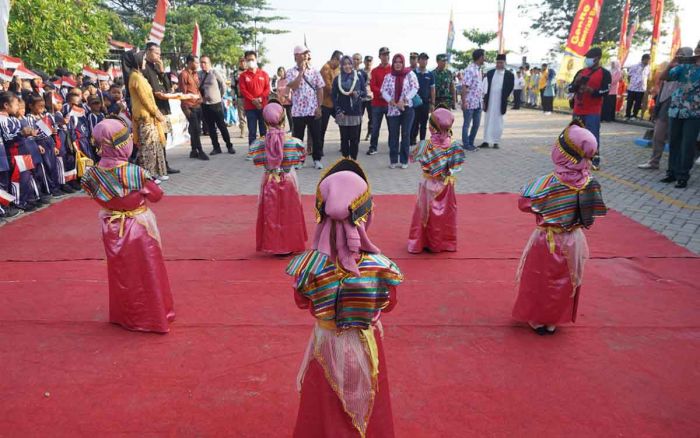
{"points": [[570, 64]]}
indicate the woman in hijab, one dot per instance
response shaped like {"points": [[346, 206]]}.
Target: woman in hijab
{"points": [[398, 89], [139, 290], [346, 284], [563, 202], [280, 226], [609, 101], [148, 121], [349, 88], [434, 224]]}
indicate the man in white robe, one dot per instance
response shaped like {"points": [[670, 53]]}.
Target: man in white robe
{"points": [[499, 83]]}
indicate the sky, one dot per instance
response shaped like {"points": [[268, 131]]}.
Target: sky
{"points": [[418, 25]]}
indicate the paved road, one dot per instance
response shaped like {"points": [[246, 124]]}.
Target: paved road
{"points": [[524, 154]]}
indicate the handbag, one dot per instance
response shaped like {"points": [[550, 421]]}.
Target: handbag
{"points": [[416, 101]]}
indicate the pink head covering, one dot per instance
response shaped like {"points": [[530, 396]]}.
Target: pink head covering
{"points": [[441, 127], [336, 235], [273, 113], [115, 141], [571, 155]]}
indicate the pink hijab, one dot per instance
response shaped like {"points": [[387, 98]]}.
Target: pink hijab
{"points": [[339, 190], [273, 113], [114, 139], [572, 153], [441, 128]]}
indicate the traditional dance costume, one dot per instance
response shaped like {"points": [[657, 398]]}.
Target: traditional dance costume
{"points": [[346, 284], [280, 226], [139, 290], [564, 202], [434, 224]]}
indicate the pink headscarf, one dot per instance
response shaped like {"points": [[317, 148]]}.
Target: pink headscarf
{"points": [[571, 155], [114, 139], [273, 113], [339, 190], [441, 128]]}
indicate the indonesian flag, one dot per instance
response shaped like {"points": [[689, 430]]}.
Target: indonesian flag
{"points": [[196, 41], [5, 75], [119, 45], [95, 74], [65, 81], [158, 25], [23, 72], [5, 198], [623, 30], [10, 62], [23, 163]]}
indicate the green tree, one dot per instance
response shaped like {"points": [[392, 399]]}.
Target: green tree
{"points": [[47, 33], [232, 23], [554, 17], [462, 58]]}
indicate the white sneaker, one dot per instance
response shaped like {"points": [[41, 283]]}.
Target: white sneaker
{"points": [[548, 113], [157, 181], [392, 166], [164, 177], [404, 166], [647, 166], [318, 165]]}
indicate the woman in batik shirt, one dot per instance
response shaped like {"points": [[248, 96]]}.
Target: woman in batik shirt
{"points": [[434, 224], [346, 284], [564, 202], [139, 290]]}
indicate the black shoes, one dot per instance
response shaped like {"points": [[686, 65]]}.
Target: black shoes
{"points": [[495, 145], [231, 150], [372, 151], [682, 183], [171, 171], [194, 154], [668, 179], [484, 145], [10, 211], [215, 151], [202, 156]]}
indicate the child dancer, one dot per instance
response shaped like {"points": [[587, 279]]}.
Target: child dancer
{"points": [[346, 283], [139, 290], [434, 224], [280, 225], [564, 202]]}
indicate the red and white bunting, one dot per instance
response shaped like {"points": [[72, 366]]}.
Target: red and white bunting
{"points": [[119, 45], [67, 82], [158, 25]]}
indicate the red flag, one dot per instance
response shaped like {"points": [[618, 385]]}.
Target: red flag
{"points": [[95, 74], [580, 36], [657, 12], [623, 30], [158, 25], [5, 198], [676, 42], [196, 41]]}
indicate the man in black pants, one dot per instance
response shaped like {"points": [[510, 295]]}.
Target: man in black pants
{"points": [[306, 84], [367, 102], [639, 75], [212, 86], [426, 91], [160, 83], [192, 108], [329, 71]]}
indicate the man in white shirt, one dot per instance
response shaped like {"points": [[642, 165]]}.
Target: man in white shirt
{"points": [[639, 76], [518, 89]]}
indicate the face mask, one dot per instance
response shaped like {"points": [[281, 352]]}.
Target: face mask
{"points": [[589, 62], [252, 64]]}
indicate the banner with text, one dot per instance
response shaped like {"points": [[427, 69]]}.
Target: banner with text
{"points": [[582, 30]]}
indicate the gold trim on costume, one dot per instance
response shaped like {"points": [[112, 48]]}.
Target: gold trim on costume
{"points": [[122, 215]]}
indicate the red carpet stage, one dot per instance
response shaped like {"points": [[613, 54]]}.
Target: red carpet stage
{"points": [[458, 365]]}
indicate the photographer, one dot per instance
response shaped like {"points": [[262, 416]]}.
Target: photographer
{"points": [[590, 85], [684, 117]]}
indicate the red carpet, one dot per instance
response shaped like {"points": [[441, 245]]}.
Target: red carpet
{"points": [[458, 366]]}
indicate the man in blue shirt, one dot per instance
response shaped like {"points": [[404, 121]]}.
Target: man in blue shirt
{"points": [[426, 91]]}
